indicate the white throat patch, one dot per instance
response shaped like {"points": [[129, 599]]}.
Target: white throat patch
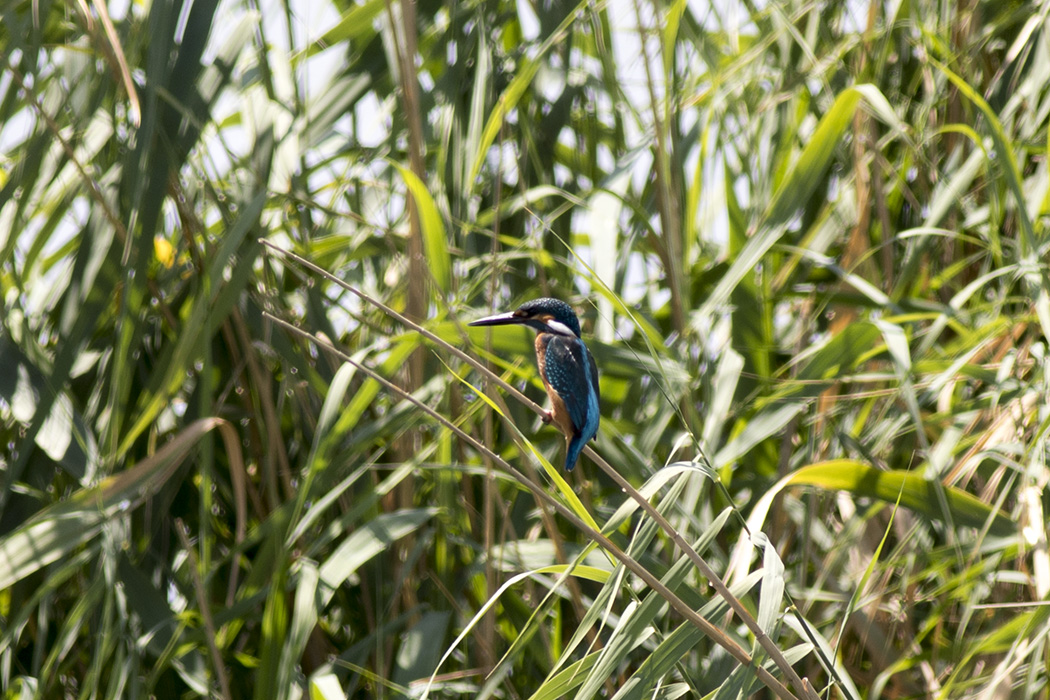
{"points": [[560, 328]]}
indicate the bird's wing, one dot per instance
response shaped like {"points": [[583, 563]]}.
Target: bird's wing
{"points": [[594, 376], [597, 392], [568, 374]]}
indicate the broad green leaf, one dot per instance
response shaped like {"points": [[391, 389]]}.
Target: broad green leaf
{"points": [[770, 600], [418, 654], [673, 648], [727, 374], [270, 680], [559, 569], [170, 376], [58, 529], [838, 354], [306, 606], [435, 241], [635, 624], [799, 184], [364, 543], [355, 24], [909, 489], [326, 438], [766, 423], [513, 93], [325, 686], [1004, 152], [570, 677]]}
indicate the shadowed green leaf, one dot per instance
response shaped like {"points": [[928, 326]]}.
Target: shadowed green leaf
{"points": [[60, 528]]}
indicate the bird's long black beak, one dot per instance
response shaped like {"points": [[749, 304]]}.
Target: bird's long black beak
{"points": [[498, 320]]}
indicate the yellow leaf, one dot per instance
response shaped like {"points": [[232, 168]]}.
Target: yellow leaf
{"points": [[164, 251]]}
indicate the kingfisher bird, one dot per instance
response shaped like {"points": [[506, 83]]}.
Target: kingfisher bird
{"points": [[566, 366]]}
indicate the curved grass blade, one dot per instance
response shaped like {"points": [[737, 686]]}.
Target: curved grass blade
{"points": [[915, 492], [435, 242], [60, 528]]}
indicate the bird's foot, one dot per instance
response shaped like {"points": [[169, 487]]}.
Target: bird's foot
{"points": [[547, 417]]}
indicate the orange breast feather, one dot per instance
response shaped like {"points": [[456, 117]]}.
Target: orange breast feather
{"points": [[559, 411]]}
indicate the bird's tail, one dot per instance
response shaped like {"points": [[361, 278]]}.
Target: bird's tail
{"points": [[573, 450]]}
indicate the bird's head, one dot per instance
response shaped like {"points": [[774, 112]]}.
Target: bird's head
{"points": [[545, 315]]}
